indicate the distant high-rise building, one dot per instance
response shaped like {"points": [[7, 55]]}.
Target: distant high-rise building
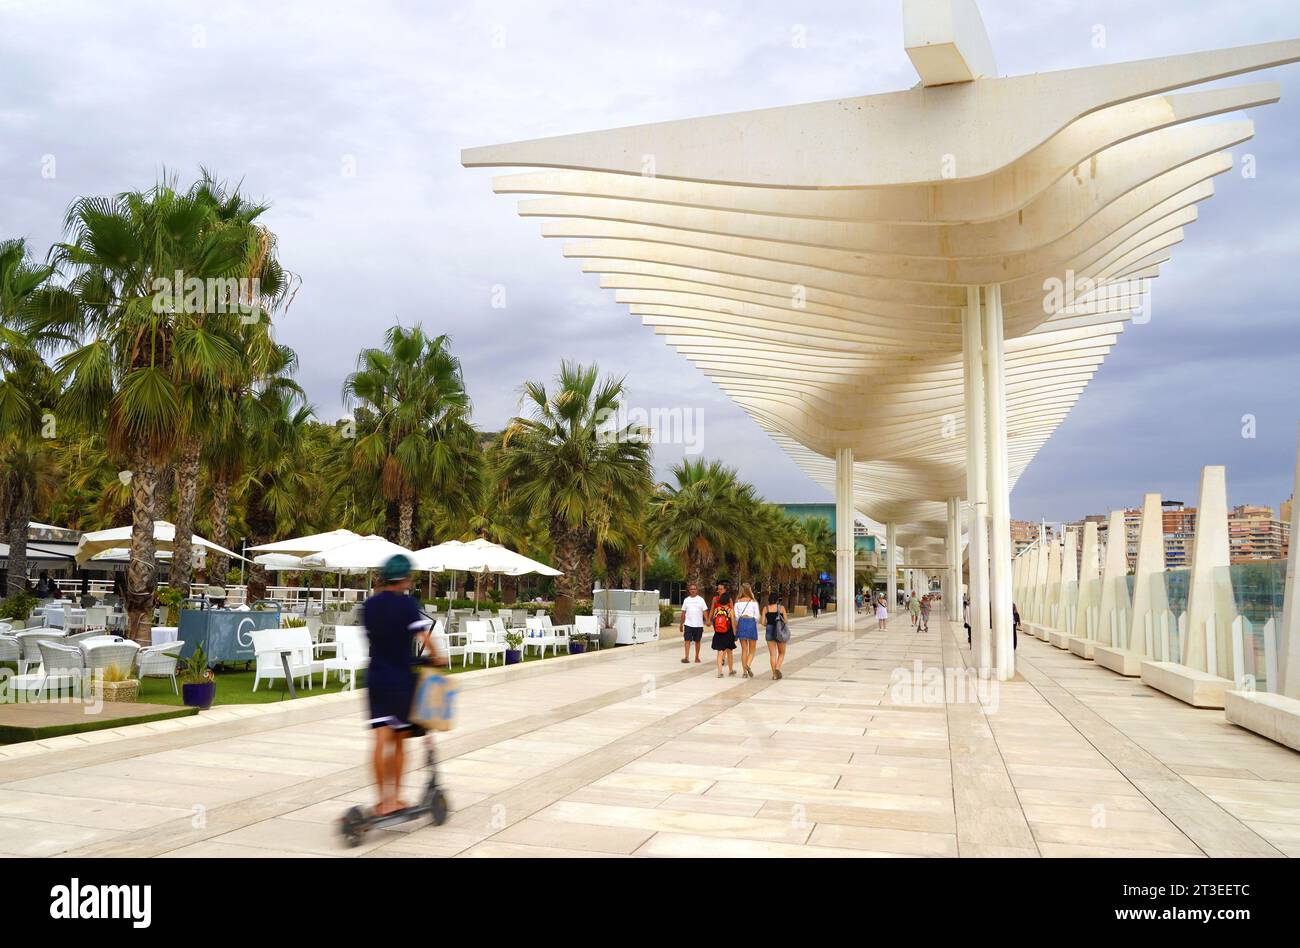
{"points": [[1179, 523], [1255, 534]]}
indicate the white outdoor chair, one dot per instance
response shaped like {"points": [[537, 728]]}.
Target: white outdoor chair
{"points": [[561, 632], [268, 648], [97, 618], [590, 627], [30, 643], [536, 636], [353, 654], [112, 655], [74, 620], [159, 661], [5, 628], [499, 627], [59, 664], [10, 649], [483, 642], [442, 641]]}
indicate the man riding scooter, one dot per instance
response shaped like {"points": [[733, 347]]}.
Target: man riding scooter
{"points": [[393, 619]]}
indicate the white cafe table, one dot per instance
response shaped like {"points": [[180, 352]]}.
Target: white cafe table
{"points": [[162, 634]]}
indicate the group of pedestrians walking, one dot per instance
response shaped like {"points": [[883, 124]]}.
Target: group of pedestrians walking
{"points": [[735, 622]]}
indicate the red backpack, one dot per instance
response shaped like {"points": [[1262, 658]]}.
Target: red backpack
{"points": [[723, 620]]}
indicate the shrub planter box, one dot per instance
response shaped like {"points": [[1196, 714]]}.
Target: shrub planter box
{"points": [[199, 696], [120, 691]]}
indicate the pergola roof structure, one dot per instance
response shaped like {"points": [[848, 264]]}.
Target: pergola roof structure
{"points": [[814, 260]]}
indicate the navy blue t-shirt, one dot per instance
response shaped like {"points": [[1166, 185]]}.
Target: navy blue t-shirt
{"points": [[392, 619]]}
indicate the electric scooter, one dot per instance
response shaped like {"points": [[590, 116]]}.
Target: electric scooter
{"points": [[433, 803]]}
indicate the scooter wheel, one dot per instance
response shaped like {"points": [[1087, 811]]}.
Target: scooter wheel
{"points": [[438, 807], [352, 826]]}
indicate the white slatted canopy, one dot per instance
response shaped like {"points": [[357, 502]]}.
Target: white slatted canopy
{"points": [[814, 260]]}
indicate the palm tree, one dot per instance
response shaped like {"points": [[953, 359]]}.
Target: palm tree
{"points": [[237, 410], [565, 461], [210, 380], [414, 432], [278, 480], [819, 544], [707, 514], [28, 391], [144, 342]]}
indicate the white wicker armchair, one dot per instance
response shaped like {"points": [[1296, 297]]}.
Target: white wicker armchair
{"points": [[159, 661]]}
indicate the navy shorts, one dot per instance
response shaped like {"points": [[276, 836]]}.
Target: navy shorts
{"points": [[391, 707], [693, 633]]}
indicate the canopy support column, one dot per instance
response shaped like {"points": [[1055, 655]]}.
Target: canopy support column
{"points": [[976, 479], [953, 594], [845, 613], [891, 566], [998, 486]]}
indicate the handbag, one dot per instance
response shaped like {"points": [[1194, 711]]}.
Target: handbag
{"points": [[782, 628], [434, 704]]}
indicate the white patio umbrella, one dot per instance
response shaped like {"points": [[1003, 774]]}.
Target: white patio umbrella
{"points": [[288, 554], [123, 553], [305, 546], [164, 535], [363, 554], [279, 561], [479, 556]]}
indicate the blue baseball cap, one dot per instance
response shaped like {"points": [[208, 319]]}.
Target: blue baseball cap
{"points": [[397, 568]]}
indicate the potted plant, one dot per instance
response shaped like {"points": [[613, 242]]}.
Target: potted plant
{"points": [[18, 607], [171, 599], [198, 684], [577, 642], [116, 684], [608, 630], [514, 642]]}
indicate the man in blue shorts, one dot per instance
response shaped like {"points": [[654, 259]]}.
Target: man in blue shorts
{"points": [[393, 621]]}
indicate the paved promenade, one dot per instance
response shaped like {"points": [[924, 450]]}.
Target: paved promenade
{"points": [[630, 752]]}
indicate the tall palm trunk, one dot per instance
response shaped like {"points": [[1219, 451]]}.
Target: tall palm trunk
{"points": [[19, 523], [219, 563], [406, 520], [187, 482], [142, 571], [568, 559], [260, 527], [583, 580]]}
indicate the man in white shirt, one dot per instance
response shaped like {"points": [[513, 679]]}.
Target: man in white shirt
{"points": [[692, 624]]}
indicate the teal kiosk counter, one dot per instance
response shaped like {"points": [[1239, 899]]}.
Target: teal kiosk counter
{"points": [[225, 634]]}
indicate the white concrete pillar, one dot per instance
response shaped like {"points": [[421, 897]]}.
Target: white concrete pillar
{"points": [[891, 566], [1018, 579], [999, 485], [1069, 594], [1038, 595], [845, 614], [976, 478], [1288, 635], [1114, 572], [1089, 572], [1051, 618], [1209, 590], [1150, 564], [953, 596]]}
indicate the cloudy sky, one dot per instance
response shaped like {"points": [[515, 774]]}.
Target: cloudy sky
{"points": [[349, 118]]}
